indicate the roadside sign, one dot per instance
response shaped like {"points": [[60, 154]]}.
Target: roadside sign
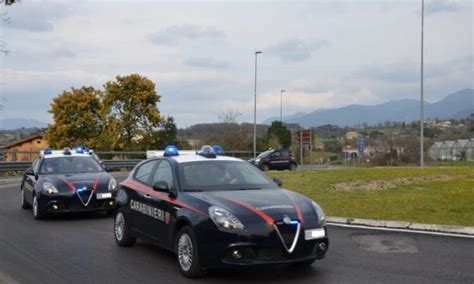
{"points": [[361, 144]]}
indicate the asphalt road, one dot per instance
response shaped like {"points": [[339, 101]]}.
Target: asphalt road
{"points": [[81, 249]]}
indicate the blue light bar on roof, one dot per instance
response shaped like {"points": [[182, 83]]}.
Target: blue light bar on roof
{"points": [[48, 151], [170, 151], [207, 151], [218, 150]]}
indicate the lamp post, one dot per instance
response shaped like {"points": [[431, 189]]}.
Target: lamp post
{"points": [[422, 159], [281, 105], [255, 110]]}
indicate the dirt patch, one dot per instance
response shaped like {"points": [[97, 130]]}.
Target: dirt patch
{"points": [[387, 184]]}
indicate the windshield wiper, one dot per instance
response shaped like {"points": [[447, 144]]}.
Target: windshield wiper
{"points": [[193, 190]]}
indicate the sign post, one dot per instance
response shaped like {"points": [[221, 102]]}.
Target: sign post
{"points": [[361, 145]]}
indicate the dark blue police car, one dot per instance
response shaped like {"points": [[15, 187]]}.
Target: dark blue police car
{"points": [[67, 181], [216, 211]]}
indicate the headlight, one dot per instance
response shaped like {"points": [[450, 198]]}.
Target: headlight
{"points": [[112, 184], [257, 161], [224, 219], [320, 213], [49, 188]]}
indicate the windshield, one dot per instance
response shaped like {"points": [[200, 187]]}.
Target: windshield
{"points": [[69, 165], [222, 175], [265, 154]]}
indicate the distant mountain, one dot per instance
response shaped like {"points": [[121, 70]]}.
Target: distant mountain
{"points": [[15, 123], [457, 105]]}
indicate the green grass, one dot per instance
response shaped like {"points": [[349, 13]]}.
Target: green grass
{"points": [[441, 195]]}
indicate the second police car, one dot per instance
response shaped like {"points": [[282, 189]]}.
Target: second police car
{"points": [[216, 211], [67, 181]]}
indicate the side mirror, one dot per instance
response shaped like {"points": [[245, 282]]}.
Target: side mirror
{"points": [[161, 186], [278, 182], [29, 172], [108, 169]]}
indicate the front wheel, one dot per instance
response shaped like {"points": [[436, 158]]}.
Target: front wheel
{"points": [[265, 168], [23, 203], [293, 167], [38, 211], [122, 232], [187, 253]]}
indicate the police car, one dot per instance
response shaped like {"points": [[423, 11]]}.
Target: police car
{"points": [[215, 211], [67, 181], [275, 159]]}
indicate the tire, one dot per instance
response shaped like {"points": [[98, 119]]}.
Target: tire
{"points": [[122, 233], [264, 168], [304, 263], [187, 255], [38, 211], [293, 167], [23, 203]]}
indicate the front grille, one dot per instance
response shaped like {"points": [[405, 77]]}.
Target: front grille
{"points": [[287, 232], [85, 195]]}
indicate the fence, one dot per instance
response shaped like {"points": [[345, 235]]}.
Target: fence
{"points": [[112, 159]]}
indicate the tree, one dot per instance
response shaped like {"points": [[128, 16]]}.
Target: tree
{"points": [[77, 118], [278, 130], [130, 102]]}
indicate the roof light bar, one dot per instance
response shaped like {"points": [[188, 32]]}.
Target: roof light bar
{"points": [[171, 151]]}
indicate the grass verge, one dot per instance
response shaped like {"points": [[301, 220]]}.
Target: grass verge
{"points": [[441, 195]]}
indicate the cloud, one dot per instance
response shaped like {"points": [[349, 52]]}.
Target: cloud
{"points": [[36, 17], [206, 62], [295, 49], [409, 71], [441, 6], [173, 35]]}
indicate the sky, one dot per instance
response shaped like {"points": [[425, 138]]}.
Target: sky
{"points": [[201, 55]]}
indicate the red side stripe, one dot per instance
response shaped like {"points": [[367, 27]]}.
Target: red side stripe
{"points": [[96, 183], [148, 190], [298, 210], [264, 216], [71, 186]]}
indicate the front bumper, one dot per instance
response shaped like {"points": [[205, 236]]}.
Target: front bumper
{"points": [[217, 250], [63, 204]]}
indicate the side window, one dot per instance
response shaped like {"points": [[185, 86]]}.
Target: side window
{"points": [[35, 165], [285, 154], [164, 173], [276, 155], [142, 174]]}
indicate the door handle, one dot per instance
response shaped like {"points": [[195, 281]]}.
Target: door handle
{"points": [[147, 196]]}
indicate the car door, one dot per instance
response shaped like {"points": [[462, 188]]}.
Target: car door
{"points": [[160, 201], [139, 197], [275, 160], [285, 159], [29, 180]]}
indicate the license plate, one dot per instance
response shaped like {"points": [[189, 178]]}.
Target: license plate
{"points": [[314, 234], [104, 195]]}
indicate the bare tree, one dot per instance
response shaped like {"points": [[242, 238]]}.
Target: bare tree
{"points": [[229, 116]]}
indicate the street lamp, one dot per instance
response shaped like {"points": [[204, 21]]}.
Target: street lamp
{"points": [[422, 159], [255, 110], [281, 105]]}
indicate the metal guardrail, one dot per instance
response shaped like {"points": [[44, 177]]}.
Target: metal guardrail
{"points": [[110, 164]]}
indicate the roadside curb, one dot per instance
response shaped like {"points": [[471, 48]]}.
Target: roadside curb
{"points": [[446, 229]]}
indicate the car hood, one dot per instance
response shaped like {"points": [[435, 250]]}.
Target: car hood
{"points": [[269, 205], [70, 182]]}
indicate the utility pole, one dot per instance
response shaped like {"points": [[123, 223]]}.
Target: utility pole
{"points": [[281, 105], [422, 115], [255, 110]]}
